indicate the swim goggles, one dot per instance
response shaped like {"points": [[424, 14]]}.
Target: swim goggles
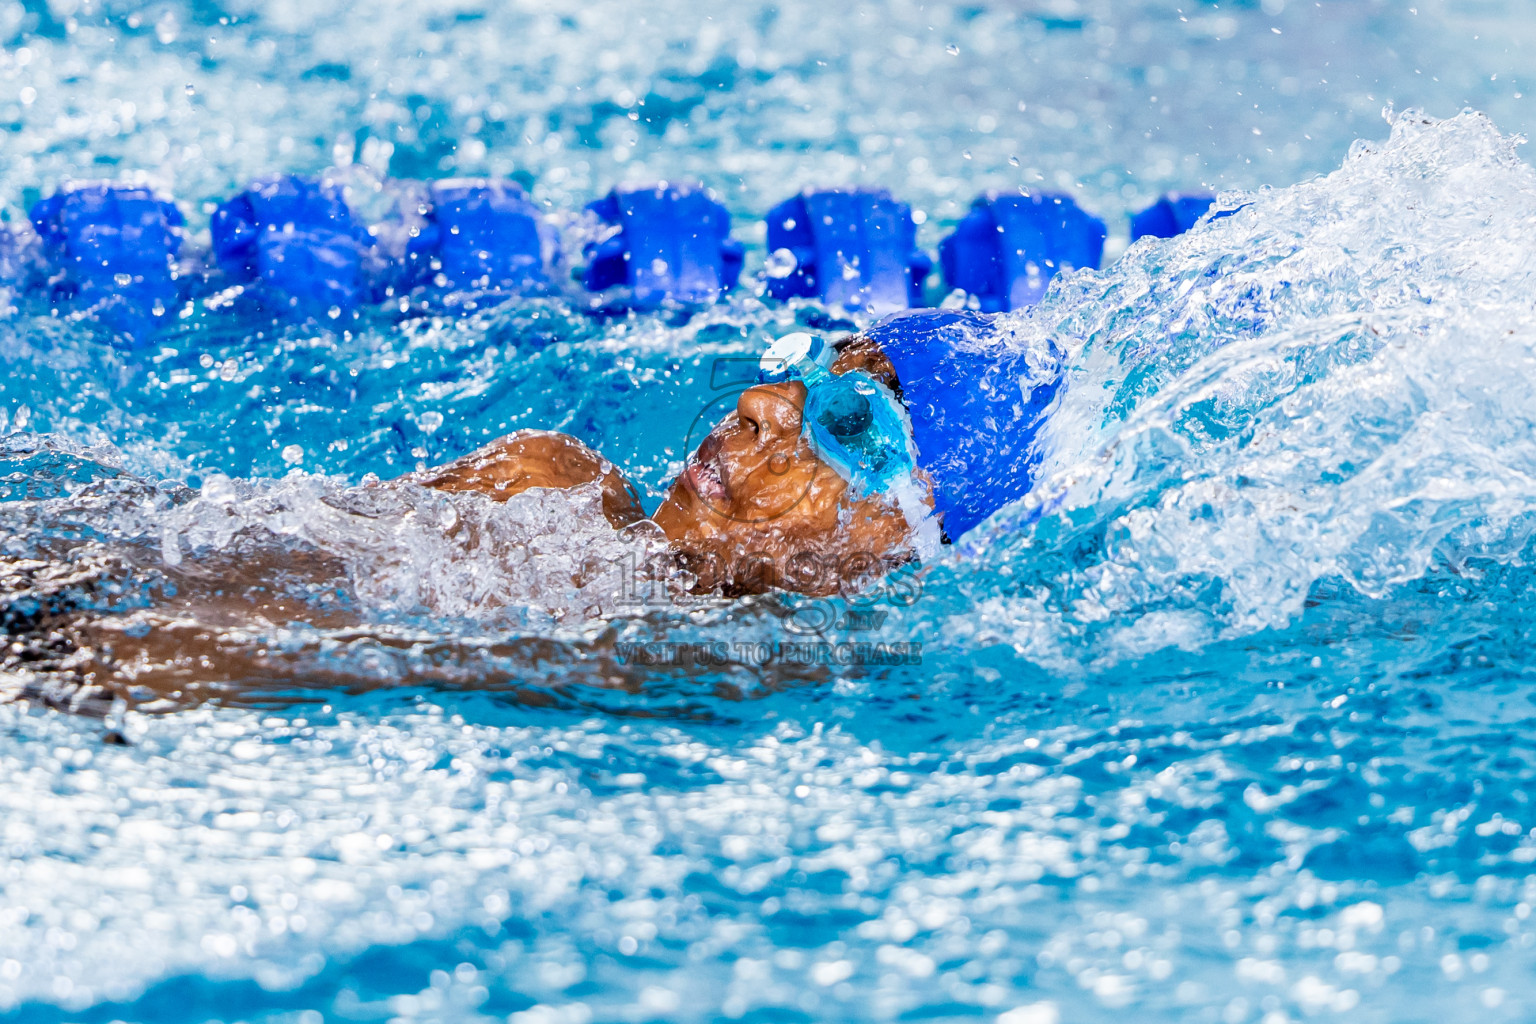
{"points": [[854, 422]]}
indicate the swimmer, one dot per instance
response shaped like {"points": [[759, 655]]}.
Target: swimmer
{"points": [[775, 499], [792, 491]]}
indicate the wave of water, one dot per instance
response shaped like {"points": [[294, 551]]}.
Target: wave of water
{"points": [[1331, 384]]}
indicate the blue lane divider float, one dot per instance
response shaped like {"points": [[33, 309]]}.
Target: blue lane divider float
{"points": [[1171, 215], [1008, 248], [665, 244], [298, 241], [479, 236], [112, 249], [855, 249]]}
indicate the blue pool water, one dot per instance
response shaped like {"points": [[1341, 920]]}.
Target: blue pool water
{"points": [[1228, 722]]}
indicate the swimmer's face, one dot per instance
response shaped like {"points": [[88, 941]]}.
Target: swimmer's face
{"points": [[757, 509]]}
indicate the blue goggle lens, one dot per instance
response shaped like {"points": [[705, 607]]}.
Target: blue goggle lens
{"points": [[846, 415], [855, 424]]}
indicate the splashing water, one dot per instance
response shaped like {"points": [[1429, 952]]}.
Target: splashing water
{"points": [[1333, 382], [1226, 721], [1294, 445]]}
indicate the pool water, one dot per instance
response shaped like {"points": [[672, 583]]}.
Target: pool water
{"points": [[1226, 722]]}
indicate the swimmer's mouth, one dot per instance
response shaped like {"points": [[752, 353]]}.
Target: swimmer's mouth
{"points": [[704, 479]]}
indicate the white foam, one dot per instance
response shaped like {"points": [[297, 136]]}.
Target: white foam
{"points": [[1337, 381]]}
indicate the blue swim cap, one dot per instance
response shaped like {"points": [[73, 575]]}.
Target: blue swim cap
{"points": [[975, 404]]}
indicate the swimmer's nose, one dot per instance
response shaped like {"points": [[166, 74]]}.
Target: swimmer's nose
{"points": [[772, 411]]}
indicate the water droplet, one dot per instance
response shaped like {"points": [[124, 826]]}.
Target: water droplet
{"points": [[228, 370], [965, 153], [429, 422], [1014, 161], [293, 454], [205, 360], [952, 50], [170, 545], [191, 90], [780, 264], [219, 488], [123, 280], [659, 267]]}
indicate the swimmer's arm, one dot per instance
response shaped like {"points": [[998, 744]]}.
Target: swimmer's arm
{"points": [[537, 458]]}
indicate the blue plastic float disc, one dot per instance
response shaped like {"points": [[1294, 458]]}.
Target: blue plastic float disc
{"points": [[856, 249], [298, 239], [1007, 249], [112, 249], [1171, 215], [673, 244], [480, 235]]}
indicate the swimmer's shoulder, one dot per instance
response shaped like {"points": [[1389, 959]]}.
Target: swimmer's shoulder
{"points": [[526, 459]]}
